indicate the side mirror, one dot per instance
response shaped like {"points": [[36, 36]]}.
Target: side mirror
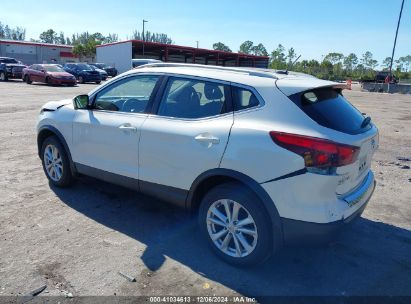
{"points": [[81, 102], [43, 71]]}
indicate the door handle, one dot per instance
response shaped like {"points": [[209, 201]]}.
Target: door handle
{"points": [[207, 138], [127, 127]]}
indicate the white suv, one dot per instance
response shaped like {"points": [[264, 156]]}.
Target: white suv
{"points": [[262, 157]]}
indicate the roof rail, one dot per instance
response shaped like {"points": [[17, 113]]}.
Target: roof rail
{"points": [[250, 71]]}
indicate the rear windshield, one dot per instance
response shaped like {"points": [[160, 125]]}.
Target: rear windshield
{"points": [[329, 108]]}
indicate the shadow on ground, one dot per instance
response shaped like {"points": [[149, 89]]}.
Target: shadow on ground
{"points": [[369, 258]]}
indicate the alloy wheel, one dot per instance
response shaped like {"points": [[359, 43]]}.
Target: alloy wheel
{"points": [[53, 162], [231, 228], [2, 76]]}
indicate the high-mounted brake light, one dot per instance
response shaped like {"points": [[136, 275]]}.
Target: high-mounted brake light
{"points": [[317, 152]]}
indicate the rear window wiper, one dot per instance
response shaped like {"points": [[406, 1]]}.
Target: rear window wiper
{"points": [[366, 122]]}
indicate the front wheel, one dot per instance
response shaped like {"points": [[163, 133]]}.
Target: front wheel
{"points": [[55, 162], [81, 79], [27, 79], [98, 82], [3, 76], [236, 225]]}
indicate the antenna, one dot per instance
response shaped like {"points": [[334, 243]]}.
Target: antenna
{"points": [[292, 64]]}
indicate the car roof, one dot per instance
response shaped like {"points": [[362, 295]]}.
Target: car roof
{"points": [[146, 60], [291, 82]]}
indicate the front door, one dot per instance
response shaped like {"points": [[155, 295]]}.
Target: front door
{"points": [[106, 137]]}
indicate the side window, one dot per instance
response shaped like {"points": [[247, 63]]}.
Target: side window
{"points": [[190, 98], [244, 99], [128, 95]]}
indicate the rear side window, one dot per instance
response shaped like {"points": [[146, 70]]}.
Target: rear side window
{"points": [[191, 98], [243, 99], [329, 108]]}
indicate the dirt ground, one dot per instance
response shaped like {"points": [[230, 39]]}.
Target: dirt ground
{"points": [[76, 240]]}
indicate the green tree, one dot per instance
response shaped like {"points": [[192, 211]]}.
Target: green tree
{"points": [[152, 37], [334, 58], [219, 46], [111, 38], [405, 62], [259, 50], [17, 33], [291, 55], [278, 58], [49, 36], [246, 47], [61, 39], [386, 63], [350, 62]]}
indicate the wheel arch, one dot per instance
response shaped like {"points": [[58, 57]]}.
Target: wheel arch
{"points": [[47, 131], [214, 177]]}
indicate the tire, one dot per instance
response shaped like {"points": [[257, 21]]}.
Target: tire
{"points": [[259, 236], [81, 79], [27, 79], [51, 150], [3, 76], [98, 82], [48, 81]]}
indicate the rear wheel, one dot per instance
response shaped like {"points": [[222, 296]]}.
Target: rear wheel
{"points": [[81, 79], [98, 82], [236, 225], [3, 76], [55, 162], [48, 81]]}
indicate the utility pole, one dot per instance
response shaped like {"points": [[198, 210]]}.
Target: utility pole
{"points": [[395, 40], [197, 44], [144, 37]]}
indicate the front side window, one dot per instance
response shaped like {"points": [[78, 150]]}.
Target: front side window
{"points": [[128, 95], [191, 98], [243, 99]]}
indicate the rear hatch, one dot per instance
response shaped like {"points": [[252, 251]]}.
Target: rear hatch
{"points": [[324, 103]]}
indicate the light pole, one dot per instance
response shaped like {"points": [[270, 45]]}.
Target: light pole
{"points": [[144, 38], [395, 40], [197, 44]]}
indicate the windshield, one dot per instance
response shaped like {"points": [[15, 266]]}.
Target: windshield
{"points": [[8, 60], [85, 67], [100, 65], [53, 68]]}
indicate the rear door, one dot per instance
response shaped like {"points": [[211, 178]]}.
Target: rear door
{"points": [[107, 136], [188, 135]]}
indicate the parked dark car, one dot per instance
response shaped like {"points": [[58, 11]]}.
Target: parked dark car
{"points": [[103, 73], [111, 71], [10, 68], [48, 73], [83, 72], [138, 62]]}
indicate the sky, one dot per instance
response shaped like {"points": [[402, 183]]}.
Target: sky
{"points": [[313, 28]]}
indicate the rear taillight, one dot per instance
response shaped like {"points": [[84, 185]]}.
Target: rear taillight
{"points": [[317, 152]]}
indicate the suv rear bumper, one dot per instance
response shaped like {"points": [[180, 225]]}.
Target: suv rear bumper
{"points": [[301, 232], [14, 75]]}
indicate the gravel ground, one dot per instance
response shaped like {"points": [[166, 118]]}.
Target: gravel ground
{"points": [[77, 240]]}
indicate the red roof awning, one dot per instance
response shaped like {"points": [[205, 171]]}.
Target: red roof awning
{"points": [[67, 55]]}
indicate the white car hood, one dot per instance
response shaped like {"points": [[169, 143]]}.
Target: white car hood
{"points": [[55, 105]]}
